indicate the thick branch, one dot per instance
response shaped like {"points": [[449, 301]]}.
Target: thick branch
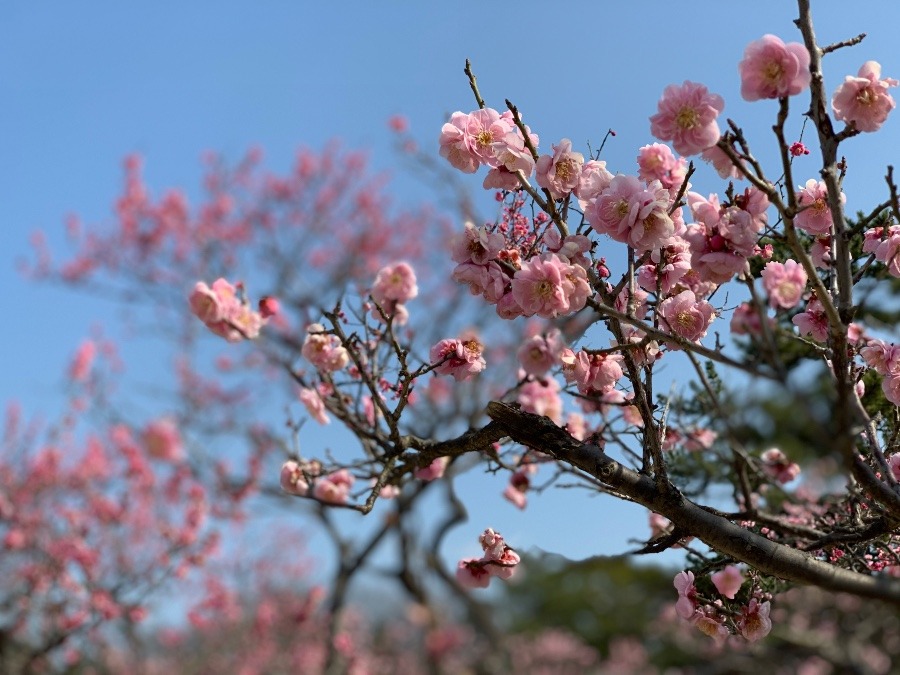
{"points": [[719, 533]]}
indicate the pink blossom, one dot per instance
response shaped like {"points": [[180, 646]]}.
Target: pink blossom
{"points": [[687, 117], [471, 573], [883, 357], [813, 321], [888, 251], [476, 245], [334, 488], [728, 581], [815, 218], [778, 466], [162, 440], [483, 129], [561, 172], [395, 284], [549, 286], [315, 406], [686, 316], [292, 479], [891, 387], [659, 525], [594, 179], [513, 155], [687, 594], [722, 163], [864, 101], [772, 69], [746, 320], [269, 307], [84, 359], [657, 162], [591, 373], [434, 470], [205, 303], [541, 397], [755, 623], [710, 625], [784, 283], [323, 350], [894, 464], [460, 358], [454, 147], [540, 353]]}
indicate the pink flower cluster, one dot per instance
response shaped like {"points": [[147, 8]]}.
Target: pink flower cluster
{"points": [[560, 173], [394, 286], [539, 353], [753, 622], [162, 440], [591, 373], [499, 560], [784, 282], [324, 350], [225, 311], [884, 359], [772, 69], [885, 246], [488, 137], [460, 358], [724, 237], [332, 488], [686, 316], [633, 212], [815, 218], [315, 406], [520, 482], [778, 466], [687, 117], [864, 101]]}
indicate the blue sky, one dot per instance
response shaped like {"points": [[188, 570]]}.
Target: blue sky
{"points": [[83, 84]]}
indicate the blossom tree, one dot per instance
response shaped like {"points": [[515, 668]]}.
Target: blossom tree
{"points": [[595, 279]]}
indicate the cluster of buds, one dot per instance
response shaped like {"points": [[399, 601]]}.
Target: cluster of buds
{"points": [[499, 560]]}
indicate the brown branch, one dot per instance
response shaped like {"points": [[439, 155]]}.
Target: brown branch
{"points": [[717, 532]]}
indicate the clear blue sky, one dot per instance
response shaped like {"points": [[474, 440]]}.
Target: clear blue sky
{"points": [[82, 84]]}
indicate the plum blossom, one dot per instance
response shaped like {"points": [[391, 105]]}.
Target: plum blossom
{"points": [[395, 284], [633, 212], [499, 560], [549, 286], [162, 440], [591, 373], [687, 594], [323, 350], [864, 101], [772, 69], [657, 162], [594, 179], [335, 487], [460, 358], [687, 117], [471, 573], [434, 470], [755, 623], [315, 406], [728, 581], [813, 321], [292, 479], [224, 311], [887, 250], [561, 172], [778, 466], [540, 353], [453, 145], [722, 163], [685, 316], [476, 245], [784, 283], [815, 218], [541, 397]]}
